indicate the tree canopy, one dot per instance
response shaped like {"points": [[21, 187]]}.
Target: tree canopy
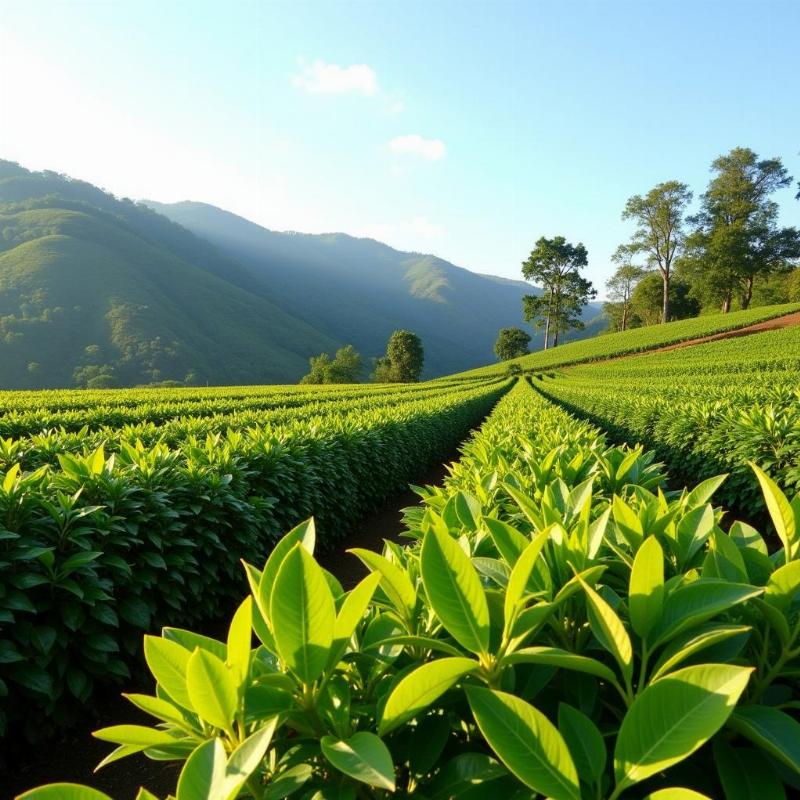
{"points": [[345, 367], [403, 360], [511, 343], [555, 264]]}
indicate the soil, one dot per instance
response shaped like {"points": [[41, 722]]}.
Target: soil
{"points": [[73, 757]]}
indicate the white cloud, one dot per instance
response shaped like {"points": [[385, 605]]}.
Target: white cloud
{"points": [[322, 78], [414, 144]]}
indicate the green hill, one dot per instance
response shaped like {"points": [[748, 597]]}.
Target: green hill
{"points": [[360, 290], [85, 296]]}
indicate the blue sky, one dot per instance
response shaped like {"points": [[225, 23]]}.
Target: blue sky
{"points": [[466, 129]]}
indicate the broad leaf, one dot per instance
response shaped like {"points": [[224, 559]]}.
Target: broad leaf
{"points": [[609, 630], [394, 582], [526, 742], [417, 690], [646, 596], [556, 657], [203, 774], [212, 689], [772, 730], [781, 512], [64, 791], [585, 743], [363, 756], [746, 774], [674, 716], [167, 661]]}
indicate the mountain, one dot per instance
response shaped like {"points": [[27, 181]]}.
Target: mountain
{"points": [[100, 291], [359, 290]]}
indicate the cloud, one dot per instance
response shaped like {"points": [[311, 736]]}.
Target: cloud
{"points": [[416, 145], [322, 78], [404, 234]]}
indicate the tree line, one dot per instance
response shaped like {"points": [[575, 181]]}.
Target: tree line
{"points": [[675, 264]]}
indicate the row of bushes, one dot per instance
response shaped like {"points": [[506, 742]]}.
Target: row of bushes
{"points": [[560, 626], [102, 548]]}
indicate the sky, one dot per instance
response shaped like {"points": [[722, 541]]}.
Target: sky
{"points": [[465, 129]]}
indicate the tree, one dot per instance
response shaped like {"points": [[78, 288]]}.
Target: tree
{"points": [[647, 303], [403, 360], [621, 285], [659, 233], [511, 343], [555, 265], [344, 368], [736, 238]]}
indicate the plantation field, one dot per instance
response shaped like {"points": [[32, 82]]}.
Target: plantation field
{"points": [[565, 620], [637, 340]]}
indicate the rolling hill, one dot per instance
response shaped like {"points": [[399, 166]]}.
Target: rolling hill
{"points": [[360, 290], [97, 290]]}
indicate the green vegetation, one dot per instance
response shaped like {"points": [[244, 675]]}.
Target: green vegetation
{"points": [[109, 533], [403, 360], [560, 625], [638, 340], [705, 410], [511, 343], [556, 264], [344, 368]]}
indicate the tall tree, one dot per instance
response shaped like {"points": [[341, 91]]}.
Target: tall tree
{"points": [[622, 283], [344, 368], [403, 360], [511, 343], [659, 218], [736, 238], [555, 264]]}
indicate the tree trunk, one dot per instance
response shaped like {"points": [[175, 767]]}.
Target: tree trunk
{"points": [[624, 315], [547, 330], [748, 293], [665, 301], [726, 304]]}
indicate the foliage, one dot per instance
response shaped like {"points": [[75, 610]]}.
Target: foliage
{"points": [[511, 343], [659, 230], [560, 625], [647, 300], [620, 287], [704, 410], [635, 341], [736, 238], [555, 264], [403, 360], [97, 546], [345, 367]]}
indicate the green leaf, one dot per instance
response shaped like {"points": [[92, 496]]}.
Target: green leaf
{"points": [[697, 602], [305, 534], [454, 591], [303, 615], [394, 582], [585, 743], [703, 492], [526, 742], [417, 690], [508, 540], [135, 735], [363, 756], [167, 661], [240, 640], [724, 559], [673, 717], [203, 774], [518, 581], [646, 594], [157, 707], [287, 782], [745, 774], [676, 793], [609, 630], [772, 730], [783, 585], [781, 512], [556, 657], [212, 688], [693, 642], [63, 791], [352, 612], [245, 759]]}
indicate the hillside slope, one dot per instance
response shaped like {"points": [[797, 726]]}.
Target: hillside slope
{"points": [[85, 296], [360, 290]]}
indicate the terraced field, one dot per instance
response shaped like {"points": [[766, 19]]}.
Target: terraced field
{"points": [[566, 620]]}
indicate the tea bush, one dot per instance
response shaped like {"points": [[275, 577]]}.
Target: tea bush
{"points": [[559, 625], [704, 410], [103, 547]]}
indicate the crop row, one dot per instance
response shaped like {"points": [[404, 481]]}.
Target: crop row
{"points": [[698, 411], [560, 625], [22, 418], [637, 340], [99, 548]]}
